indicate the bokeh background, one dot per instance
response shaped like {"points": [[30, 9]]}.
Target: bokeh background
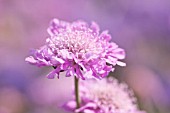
{"points": [[141, 27]]}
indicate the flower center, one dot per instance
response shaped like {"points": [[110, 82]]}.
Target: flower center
{"points": [[110, 98], [77, 42]]}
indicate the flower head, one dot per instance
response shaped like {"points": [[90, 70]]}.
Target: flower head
{"points": [[105, 96], [79, 49]]}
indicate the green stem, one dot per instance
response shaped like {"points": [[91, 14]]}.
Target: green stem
{"points": [[76, 83]]}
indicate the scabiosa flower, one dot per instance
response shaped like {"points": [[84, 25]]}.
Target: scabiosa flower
{"points": [[78, 49], [104, 96]]}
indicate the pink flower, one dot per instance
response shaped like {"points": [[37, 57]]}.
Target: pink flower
{"points": [[104, 96], [78, 49]]}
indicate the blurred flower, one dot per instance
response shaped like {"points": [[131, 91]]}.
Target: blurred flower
{"points": [[105, 96], [78, 49]]}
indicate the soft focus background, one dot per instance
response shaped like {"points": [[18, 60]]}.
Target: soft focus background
{"points": [[141, 27]]}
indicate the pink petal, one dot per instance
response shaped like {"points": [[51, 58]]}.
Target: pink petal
{"points": [[31, 60]]}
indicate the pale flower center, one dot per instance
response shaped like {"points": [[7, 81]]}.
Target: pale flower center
{"points": [[111, 98], [77, 42]]}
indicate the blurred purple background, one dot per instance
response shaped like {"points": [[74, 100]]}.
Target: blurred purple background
{"points": [[141, 27]]}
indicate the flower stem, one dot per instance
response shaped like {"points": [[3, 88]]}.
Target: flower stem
{"points": [[76, 83]]}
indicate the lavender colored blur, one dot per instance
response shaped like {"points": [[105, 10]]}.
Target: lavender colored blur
{"points": [[141, 27]]}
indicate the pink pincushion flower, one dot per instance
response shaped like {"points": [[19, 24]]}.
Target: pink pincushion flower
{"points": [[104, 96], [78, 49]]}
